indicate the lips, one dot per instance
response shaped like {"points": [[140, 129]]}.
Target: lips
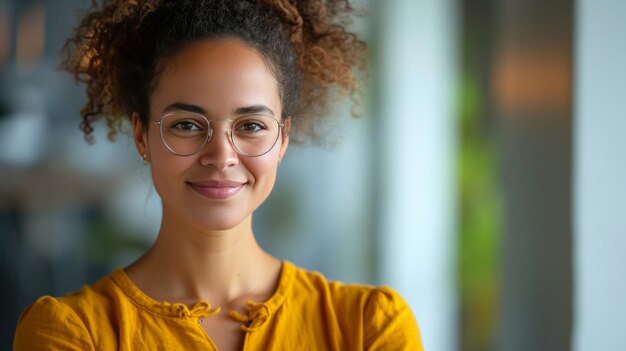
{"points": [[217, 189]]}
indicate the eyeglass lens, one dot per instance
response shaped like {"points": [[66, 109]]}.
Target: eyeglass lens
{"points": [[185, 133]]}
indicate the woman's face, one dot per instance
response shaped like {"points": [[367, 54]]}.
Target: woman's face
{"points": [[216, 188]]}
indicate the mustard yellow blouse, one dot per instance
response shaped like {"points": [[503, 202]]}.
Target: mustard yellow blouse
{"points": [[305, 312]]}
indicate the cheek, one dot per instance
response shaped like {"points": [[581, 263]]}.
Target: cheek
{"points": [[264, 170], [163, 179], [166, 169]]}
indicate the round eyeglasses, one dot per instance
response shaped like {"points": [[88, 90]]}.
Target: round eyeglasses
{"points": [[186, 133]]}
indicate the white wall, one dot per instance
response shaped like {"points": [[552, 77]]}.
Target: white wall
{"points": [[600, 176], [417, 43]]}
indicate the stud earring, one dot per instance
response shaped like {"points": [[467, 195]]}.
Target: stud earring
{"points": [[144, 157]]}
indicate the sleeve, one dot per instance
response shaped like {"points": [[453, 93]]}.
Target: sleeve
{"points": [[48, 324], [389, 323]]}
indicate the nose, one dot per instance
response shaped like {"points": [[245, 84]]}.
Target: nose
{"points": [[219, 151]]}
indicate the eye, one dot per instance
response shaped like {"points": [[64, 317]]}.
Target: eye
{"points": [[186, 125], [250, 126]]}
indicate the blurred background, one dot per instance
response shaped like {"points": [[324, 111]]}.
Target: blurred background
{"points": [[485, 182]]}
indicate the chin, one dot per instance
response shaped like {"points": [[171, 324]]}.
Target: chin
{"points": [[218, 221], [208, 216], [220, 226]]}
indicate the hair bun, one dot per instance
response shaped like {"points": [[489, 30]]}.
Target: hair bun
{"points": [[114, 48]]}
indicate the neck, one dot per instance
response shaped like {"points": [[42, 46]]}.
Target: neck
{"points": [[187, 264]]}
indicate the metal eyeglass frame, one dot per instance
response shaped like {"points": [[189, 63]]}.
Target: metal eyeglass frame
{"points": [[209, 134]]}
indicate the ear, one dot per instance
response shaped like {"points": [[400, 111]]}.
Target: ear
{"points": [[284, 137], [140, 136]]}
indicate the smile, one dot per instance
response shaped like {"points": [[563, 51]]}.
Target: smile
{"points": [[217, 189]]}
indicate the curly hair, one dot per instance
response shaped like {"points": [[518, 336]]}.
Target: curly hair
{"points": [[121, 46]]}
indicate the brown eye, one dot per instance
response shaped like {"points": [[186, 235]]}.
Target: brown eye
{"points": [[250, 127], [186, 125]]}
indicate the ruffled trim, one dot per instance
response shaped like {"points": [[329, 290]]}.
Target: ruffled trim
{"points": [[200, 309], [258, 315]]}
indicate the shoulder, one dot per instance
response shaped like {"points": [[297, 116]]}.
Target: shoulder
{"points": [[385, 302], [70, 322], [91, 299], [52, 325], [386, 320], [312, 285], [370, 298], [389, 322]]}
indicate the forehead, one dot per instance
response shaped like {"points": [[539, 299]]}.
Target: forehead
{"points": [[217, 75]]}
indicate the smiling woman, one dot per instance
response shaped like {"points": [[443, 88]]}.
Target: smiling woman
{"points": [[219, 184], [214, 90]]}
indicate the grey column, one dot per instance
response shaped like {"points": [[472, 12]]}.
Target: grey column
{"points": [[532, 89]]}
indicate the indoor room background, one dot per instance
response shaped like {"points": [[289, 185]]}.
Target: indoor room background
{"points": [[484, 178]]}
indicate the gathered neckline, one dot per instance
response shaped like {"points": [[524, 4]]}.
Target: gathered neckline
{"points": [[259, 312]]}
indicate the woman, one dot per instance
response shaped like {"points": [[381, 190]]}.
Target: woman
{"points": [[213, 90]]}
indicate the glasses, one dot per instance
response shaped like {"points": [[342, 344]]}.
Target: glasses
{"points": [[186, 133]]}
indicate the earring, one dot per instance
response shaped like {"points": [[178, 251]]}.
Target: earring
{"points": [[144, 157]]}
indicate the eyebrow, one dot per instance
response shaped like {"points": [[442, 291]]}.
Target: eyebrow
{"points": [[253, 109], [238, 111], [185, 107]]}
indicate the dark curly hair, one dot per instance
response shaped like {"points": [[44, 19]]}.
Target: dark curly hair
{"points": [[121, 46]]}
